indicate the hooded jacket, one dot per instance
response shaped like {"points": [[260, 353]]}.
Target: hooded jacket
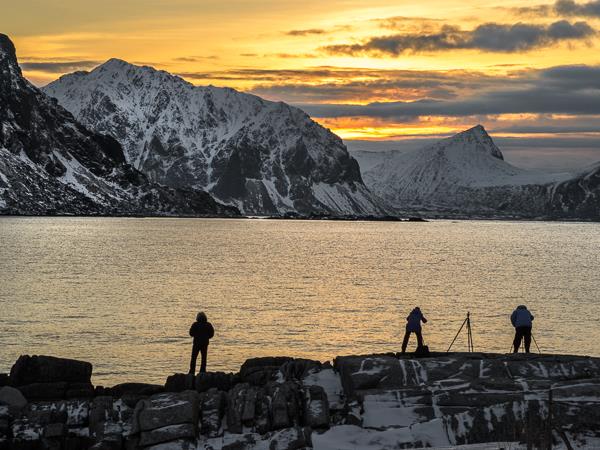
{"points": [[414, 320], [521, 317], [202, 331]]}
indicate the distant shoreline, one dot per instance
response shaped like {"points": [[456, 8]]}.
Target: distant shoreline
{"points": [[415, 218]]}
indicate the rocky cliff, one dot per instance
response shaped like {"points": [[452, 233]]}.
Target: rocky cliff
{"points": [[51, 164]]}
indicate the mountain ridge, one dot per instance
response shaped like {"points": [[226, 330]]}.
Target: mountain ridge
{"points": [[466, 174], [264, 157], [51, 164]]}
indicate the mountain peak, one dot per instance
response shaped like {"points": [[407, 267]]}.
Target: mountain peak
{"points": [[115, 64], [479, 136], [7, 50]]}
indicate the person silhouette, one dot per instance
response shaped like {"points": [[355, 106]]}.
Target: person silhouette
{"points": [[202, 331], [413, 325], [522, 320]]}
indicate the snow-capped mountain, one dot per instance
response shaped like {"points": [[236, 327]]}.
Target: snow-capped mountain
{"points": [[50, 163], [262, 156], [466, 174]]}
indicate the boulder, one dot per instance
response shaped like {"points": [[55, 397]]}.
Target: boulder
{"points": [[179, 382], [44, 416], [316, 407], [359, 373], [166, 409], [167, 433], [212, 410], [241, 407], [55, 430], [44, 391], [259, 371], [134, 389], [215, 380], [48, 369], [297, 369], [13, 398], [79, 390], [286, 404], [100, 411]]}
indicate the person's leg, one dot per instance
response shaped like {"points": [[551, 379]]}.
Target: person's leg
{"points": [[527, 335], [204, 351], [517, 341], [419, 339], [405, 341], [195, 350]]}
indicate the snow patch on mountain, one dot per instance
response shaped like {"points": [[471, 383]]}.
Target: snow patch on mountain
{"points": [[51, 164], [451, 174], [265, 157]]}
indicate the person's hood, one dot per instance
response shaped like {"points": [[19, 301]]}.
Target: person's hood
{"points": [[521, 307]]}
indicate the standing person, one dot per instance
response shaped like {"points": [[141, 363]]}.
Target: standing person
{"points": [[202, 331], [413, 325], [522, 320]]}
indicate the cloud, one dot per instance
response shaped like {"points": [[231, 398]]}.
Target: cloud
{"points": [[565, 8], [571, 8], [57, 66], [492, 37], [307, 32], [571, 90], [195, 58]]}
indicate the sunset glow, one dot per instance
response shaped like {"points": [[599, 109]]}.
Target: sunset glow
{"points": [[347, 63]]}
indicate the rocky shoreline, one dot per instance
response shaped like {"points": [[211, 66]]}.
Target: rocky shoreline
{"points": [[384, 401]]}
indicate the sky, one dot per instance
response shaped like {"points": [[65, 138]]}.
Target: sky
{"points": [[382, 74]]}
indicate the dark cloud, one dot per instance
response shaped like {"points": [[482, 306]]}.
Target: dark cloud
{"points": [[336, 84], [308, 32], [560, 90], [571, 8], [565, 8], [58, 66], [491, 37]]}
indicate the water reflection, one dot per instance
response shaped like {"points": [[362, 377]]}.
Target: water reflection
{"points": [[122, 293]]}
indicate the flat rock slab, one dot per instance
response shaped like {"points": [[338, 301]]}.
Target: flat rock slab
{"points": [[166, 409], [48, 369], [168, 433]]}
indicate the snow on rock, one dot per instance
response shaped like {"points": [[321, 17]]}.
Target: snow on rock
{"points": [[264, 157], [466, 174], [51, 164], [387, 401]]}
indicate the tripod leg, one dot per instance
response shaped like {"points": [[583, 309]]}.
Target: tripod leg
{"points": [[471, 348], [453, 340]]}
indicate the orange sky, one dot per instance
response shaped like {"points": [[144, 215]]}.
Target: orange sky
{"points": [[338, 52]]}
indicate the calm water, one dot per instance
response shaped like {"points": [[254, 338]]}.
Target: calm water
{"points": [[122, 293]]}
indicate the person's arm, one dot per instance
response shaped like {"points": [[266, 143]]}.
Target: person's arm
{"points": [[211, 331], [513, 317], [423, 319], [193, 330], [531, 317]]}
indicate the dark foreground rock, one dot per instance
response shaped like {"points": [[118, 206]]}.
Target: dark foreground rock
{"points": [[372, 402]]}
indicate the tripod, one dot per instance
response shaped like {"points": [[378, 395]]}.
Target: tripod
{"points": [[466, 322]]}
